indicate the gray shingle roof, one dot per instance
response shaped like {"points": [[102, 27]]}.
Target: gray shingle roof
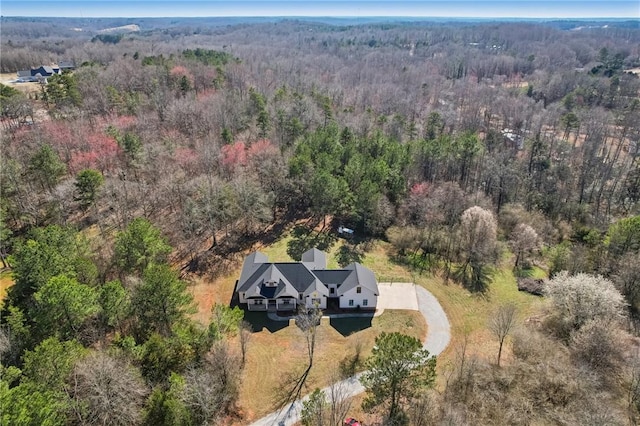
{"points": [[362, 276], [315, 259], [332, 276], [251, 263], [260, 278]]}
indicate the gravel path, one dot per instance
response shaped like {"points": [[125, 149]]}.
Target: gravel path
{"points": [[438, 336]]}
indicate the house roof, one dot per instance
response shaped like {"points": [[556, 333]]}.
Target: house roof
{"points": [[332, 276], [66, 64], [251, 263], [361, 276], [269, 292], [317, 286], [44, 69], [263, 279], [314, 259], [295, 275]]}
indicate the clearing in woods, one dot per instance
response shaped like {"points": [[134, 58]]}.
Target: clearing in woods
{"points": [[279, 349]]}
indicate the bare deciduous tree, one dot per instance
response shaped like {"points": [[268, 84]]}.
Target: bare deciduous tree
{"points": [[627, 280], [290, 389], [308, 319], [328, 407], [599, 345], [423, 409], [113, 391], [460, 380], [244, 335], [211, 389], [502, 323], [339, 400], [634, 390]]}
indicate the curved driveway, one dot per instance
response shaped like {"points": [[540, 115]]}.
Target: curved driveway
{"points": [[438, 336]]}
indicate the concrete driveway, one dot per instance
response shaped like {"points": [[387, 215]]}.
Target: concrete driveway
{"points": [[397, 296]]}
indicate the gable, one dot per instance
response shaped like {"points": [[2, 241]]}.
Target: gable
{"points": [[260, 278], [294, 276], [314, 259], [270, 292], [251, 263], [44, 71], [360, 277]]}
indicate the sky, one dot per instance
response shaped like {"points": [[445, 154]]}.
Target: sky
{"points": [[350, 8]]}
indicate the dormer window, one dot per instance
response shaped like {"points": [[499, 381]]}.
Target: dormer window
{"points": [[271, 283]]}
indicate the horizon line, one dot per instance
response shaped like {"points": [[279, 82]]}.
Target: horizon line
{"points": [[562, 18]]}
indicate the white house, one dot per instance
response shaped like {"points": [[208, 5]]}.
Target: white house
{"points": [[283, 286]]}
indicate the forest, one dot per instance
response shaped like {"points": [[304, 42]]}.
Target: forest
{"points": [[168, 153]]}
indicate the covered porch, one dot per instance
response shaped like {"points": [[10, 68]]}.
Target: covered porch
{"points": [[272, 305]]}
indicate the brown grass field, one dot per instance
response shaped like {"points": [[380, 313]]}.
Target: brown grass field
{"points": [[6, 281], [273, 354], [26, 88]]}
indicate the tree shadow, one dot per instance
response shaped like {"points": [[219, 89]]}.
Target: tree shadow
{"points": [[273, 233], [347, 326], [222, 257], [290, 388], [304, 238], [519, 272], [473, 277], [349, 253]]}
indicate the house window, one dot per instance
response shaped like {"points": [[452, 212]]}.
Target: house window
{"points": [[332, 290], [258, 302], [286, 302], [300, 296], [358, 290], [365, 302], [316, 302], [350, 302]]}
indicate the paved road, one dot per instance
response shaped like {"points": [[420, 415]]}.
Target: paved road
{"points": [[438, 336]]}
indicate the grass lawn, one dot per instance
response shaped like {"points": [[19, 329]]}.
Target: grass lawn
{"points": [[6, 281], [469, 313], [279, 348], [271, 355]]}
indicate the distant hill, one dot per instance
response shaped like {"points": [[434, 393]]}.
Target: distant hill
{"points": [[36, 27]]}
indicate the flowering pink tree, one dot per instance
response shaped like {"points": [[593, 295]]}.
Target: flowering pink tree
{"points": [[233, 156]]}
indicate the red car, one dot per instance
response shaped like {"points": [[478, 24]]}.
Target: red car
{"points": [[350, 421]]}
